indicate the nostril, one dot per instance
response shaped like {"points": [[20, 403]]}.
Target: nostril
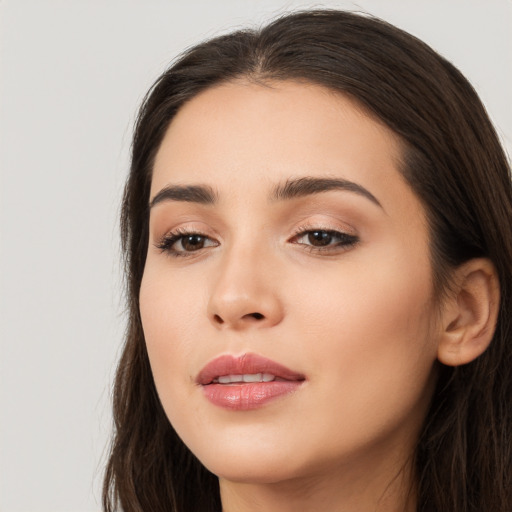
{"points": [[257, 316], [218, 319]]}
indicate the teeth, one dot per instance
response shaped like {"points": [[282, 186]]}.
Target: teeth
{"points": [[247, 377], [254, 377]]}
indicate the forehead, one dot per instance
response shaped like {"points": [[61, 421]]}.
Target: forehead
{"points": [[243, 135]]}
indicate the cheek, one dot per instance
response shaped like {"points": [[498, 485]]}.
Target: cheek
{"points": [[374, 341], [169, 313], [363, 301]]}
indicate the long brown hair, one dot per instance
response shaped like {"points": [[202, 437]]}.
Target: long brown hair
{"points": [[453, 161]]}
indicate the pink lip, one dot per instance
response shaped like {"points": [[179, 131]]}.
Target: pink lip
{"points": [[246, 395]]}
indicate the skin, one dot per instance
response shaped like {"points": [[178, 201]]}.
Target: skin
{"points": [[359, 321]]}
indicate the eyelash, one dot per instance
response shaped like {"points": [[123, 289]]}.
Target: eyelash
{"points": [[346, 241]]}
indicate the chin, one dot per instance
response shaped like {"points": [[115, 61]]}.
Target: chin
{"points": [[250, 463], [250, 473]]}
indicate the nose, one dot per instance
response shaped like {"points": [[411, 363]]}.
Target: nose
{"points": [[245, 293]]}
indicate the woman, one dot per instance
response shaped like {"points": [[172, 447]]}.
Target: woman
{"points": [[317, 228]]}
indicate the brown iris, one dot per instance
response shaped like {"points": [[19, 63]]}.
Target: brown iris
{"points": [[193, 242], [319, 238]]}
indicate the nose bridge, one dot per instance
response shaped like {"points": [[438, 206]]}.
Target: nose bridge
{"points": [[244, 291]]}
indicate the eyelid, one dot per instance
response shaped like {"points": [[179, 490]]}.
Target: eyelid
{"points": [[183, 227], [324, 226]]}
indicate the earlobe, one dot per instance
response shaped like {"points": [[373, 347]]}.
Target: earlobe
{"points": [[470, 313]]}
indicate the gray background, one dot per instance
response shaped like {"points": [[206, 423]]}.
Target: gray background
{"points": [[71, 76]]}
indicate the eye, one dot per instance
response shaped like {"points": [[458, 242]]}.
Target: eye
{"points": [[182, 243], [324, 239]]}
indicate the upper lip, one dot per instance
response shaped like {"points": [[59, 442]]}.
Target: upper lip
{"points": [[245, 364]]}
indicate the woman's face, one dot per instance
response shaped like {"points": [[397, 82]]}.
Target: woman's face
{"points": [[286, 248]]}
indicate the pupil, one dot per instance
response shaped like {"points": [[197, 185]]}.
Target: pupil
{"points": [[193, 242], [319, 238]]}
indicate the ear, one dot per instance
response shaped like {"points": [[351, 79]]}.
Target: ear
{"points": [[470, 313]]}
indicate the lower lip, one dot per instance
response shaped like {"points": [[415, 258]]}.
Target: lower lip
{"points": [[247, 396]]}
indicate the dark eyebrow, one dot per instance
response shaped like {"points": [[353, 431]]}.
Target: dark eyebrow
{"points": [[305, 186], [189, 193]]}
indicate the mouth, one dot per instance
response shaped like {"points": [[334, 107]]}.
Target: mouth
{"points": [[246, 382]]}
